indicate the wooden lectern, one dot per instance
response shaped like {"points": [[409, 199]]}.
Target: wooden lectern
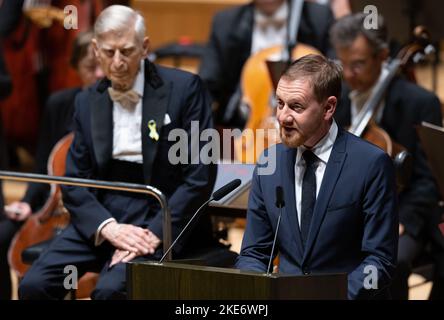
{"points": [[176, 281]]}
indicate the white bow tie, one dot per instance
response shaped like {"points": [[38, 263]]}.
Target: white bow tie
{"points": [[128, 99], [272, 22]]}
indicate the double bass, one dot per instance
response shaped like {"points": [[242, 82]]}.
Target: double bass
{"points": [[258, 86]]}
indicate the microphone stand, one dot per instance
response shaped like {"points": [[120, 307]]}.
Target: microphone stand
{"points": [[88, 183], [217, 195], [274, 241], [167, 252]]}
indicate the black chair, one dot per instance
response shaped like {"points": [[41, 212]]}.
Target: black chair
{"points": [[425, 265], [178, 51], [403, 168]]}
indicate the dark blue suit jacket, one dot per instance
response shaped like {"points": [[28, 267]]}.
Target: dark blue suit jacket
{"points": [[354, 223], [167, 91]]}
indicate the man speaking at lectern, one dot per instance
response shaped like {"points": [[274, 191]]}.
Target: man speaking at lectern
{"points": [[340, 212]]}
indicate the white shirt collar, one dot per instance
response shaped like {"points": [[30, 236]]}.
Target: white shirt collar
{"points": [[323, 148], [269, 36], [280, 14]]}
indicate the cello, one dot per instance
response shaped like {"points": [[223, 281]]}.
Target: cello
{"points": [[50, 220], [258, 90], [365, 126]]}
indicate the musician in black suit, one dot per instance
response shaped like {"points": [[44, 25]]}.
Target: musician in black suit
{"points": [[5, 90], [122, 125], [10, 12], [57, 120], [56, 123], [363, 52], [238, 32]]}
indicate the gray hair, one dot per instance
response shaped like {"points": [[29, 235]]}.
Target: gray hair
{"points": [[348, 28], [118, 18]]}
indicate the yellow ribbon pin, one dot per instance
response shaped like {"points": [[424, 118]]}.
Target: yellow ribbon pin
{"points": [[153, 131]]}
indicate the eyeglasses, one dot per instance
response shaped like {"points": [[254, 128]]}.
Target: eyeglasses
{"points": [[355, 66]]}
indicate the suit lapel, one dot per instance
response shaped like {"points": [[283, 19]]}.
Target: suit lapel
{"points": [[242, 37], [331, 175], [287, 165], [102, 124], [154, 107]]}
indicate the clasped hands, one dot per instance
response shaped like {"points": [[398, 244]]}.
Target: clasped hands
{"points": [[130, 241]]}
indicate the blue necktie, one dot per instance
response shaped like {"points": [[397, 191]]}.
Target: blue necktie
{"points": [[308, 193]]}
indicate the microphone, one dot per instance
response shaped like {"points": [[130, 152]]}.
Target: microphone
{"points": [[280, 197], [226, 189], [280, 203], [217, 195]]}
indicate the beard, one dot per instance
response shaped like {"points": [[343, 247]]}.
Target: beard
{"points": [[292, 139]]}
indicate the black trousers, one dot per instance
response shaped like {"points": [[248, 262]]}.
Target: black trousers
{"points": [[409, 249], [48, 276], [8, 228]]}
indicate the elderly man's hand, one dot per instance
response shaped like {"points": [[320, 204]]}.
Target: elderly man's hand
{"points": [[126, 256], [130, 238]]}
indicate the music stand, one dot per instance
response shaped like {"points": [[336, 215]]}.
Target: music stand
{"points": [[431, 137]]}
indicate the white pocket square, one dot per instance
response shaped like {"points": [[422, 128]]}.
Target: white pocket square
{"points": [[166, 120]]}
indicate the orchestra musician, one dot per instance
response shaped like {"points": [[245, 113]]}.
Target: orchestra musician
{"points": [[56, 123], [363, 52], [5, 90], [239, 32]]}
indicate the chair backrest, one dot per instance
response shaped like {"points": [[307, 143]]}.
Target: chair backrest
{"points": [[403, 167]]}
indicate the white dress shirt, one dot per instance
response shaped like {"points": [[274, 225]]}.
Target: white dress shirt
{"points": [[127, 136], [269, 36], [322, 150], [127, 125]]}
